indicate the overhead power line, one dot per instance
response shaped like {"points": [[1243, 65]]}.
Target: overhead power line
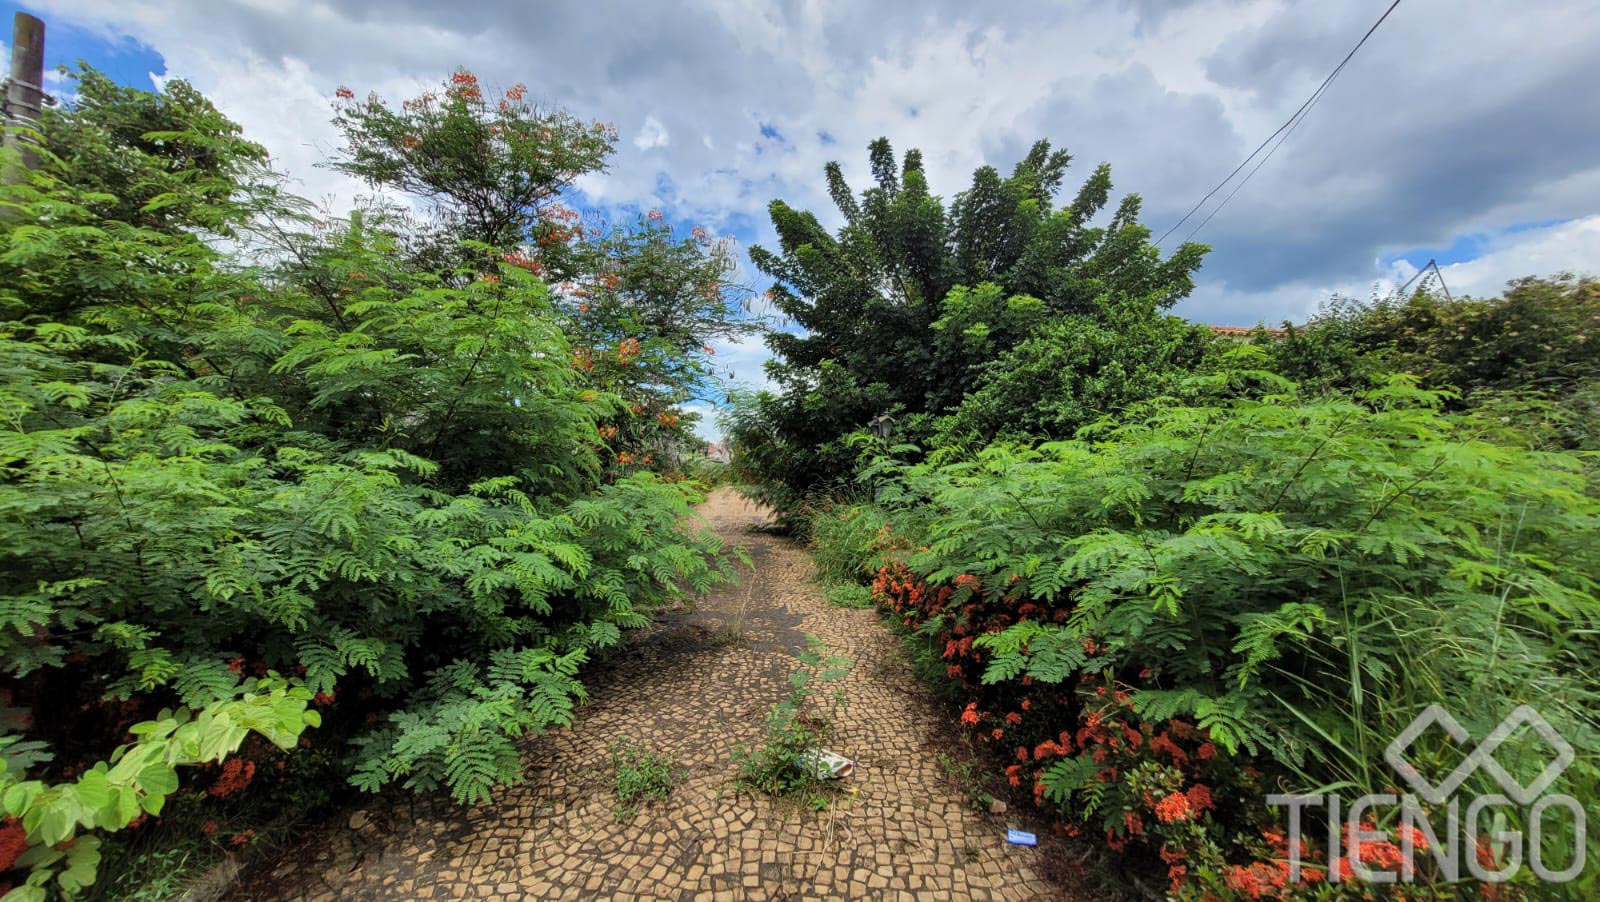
{"points": [[1283, 130]]}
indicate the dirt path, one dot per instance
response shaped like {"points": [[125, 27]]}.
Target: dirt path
{"points": [[901, 829]]}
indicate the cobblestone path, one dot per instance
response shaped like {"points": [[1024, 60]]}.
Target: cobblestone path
{"points": [[900, 829]]}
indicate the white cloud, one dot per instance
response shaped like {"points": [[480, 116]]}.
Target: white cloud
{"points": [[651, 134], [1572, 246], [706, 426], [1172, 94], [743, 358]]}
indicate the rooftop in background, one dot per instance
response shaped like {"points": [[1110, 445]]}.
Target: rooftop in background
{"points": [[1246, 332]]}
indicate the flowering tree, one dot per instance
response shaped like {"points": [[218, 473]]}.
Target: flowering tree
{"points": [[491, 169], [641, 306], [337, 462]]}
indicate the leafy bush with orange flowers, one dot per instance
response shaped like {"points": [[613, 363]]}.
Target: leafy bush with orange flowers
{"points": [[1157, 625], [386, 455]]}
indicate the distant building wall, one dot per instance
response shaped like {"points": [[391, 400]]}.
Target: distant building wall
{"points": [[1246, 332]]}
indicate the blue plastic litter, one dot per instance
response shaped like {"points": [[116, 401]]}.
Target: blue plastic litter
{"points": [[1022, 838]]}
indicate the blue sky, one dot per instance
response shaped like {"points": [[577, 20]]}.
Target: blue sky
{"points": [[1462, 133], [125, 59]]}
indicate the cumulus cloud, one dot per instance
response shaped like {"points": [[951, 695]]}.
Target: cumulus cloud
{"points": [[1563, 247], [651, 134], [1569, 246], [1451, 120]]}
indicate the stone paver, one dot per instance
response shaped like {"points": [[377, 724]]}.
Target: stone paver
{"points": [[898, 831]]}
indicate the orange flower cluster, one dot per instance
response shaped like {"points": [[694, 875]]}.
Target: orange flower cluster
{"points": [[1379, 855], [13, 842], [628, 351], [554, 236], [1264, 879], [523, 261], [667, 420], [1175, 807], [1058, 747], [465, 84], [344, 93], [582, 359], [608, 432], [236, 775]]}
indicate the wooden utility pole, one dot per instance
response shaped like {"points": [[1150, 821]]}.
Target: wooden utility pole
{"points": [[24, 92]]}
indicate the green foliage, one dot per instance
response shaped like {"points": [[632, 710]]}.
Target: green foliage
{"points": [[639, 776], [1322, 505], [137, 779], [1539, 335], [356, 450], [796, 726], [1288, 574], [460, 730], [845, 541], [168, 162], [906, 306], [849, 595], [1071, 373]]}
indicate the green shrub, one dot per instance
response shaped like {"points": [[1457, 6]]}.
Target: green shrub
{"points": [[1540, 334], [1294, 580], [135, 781], [849, 595], [639, 776], [846, 540], [379, 453], [795, 726]]}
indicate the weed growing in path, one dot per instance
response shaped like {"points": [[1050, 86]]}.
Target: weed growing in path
{"points": [[849, 595], [967, 775], [731, 631], [640, 776], [796, 726]]}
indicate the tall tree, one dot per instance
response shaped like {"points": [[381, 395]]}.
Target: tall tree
{"points": [[902, 308]]}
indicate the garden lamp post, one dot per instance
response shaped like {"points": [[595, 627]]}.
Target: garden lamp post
{"points": [[882, 426]]}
